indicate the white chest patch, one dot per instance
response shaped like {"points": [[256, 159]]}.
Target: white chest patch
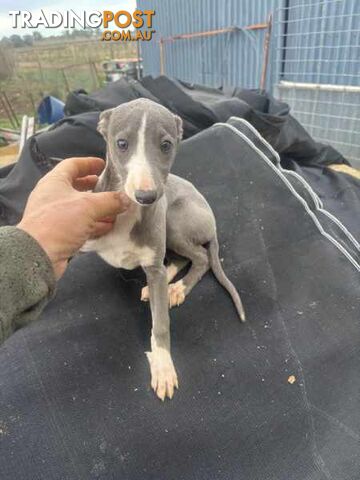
{"points": [[117, 248]]}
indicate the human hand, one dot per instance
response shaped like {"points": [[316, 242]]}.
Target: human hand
{"points": [[61, 214]]}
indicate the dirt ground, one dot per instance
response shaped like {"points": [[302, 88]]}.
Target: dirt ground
{"points": [[8, 154]]}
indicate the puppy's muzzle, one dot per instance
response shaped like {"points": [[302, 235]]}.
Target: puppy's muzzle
{"points": [[145, 197]]}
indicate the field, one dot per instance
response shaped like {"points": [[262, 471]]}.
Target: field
{"points": [[55, 68]]}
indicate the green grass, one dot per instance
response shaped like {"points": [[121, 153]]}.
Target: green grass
{"points": [[5, 123]]}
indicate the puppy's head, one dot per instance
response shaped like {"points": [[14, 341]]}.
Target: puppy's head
{"points": [[141, 138]]}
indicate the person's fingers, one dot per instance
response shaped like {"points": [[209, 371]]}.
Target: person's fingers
{"points": [[85, 183], [101, 228], [108, 219], [73, 168], [105, 204]]}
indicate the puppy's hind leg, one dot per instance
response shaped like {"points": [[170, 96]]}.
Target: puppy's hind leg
{"points": [[175, 265], [199, 266]]}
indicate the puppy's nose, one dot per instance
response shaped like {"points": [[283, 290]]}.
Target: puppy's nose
{"points": [[145, 197]]}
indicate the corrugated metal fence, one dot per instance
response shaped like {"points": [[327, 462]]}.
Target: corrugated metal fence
{"points": [[314, 61], [228, 59]]}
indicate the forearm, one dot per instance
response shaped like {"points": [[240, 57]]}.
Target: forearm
{"points": [[27, 280]]}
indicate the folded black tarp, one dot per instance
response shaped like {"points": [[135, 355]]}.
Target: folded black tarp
{"points": [[77, 136], [201, 107], [75, 401]]}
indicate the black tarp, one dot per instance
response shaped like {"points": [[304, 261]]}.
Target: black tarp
{"points": [[201, 107], [75, 401]]}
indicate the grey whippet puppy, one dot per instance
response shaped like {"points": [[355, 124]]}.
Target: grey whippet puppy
{"points": [[166, 213]]}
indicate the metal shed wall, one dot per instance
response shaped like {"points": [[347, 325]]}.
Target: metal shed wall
{"points": [[314, 43], [226, 59]]}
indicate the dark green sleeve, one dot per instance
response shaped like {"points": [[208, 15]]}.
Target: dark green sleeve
{"points": [[27, 280]]}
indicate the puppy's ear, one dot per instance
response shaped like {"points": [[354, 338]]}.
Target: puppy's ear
{"points": [[103, 123], [179, 128]]}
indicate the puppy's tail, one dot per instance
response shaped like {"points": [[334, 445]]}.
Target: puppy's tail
{"points": [[220, 276]]}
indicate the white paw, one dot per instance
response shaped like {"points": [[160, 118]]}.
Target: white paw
{"points": [[145, 294], [163, 375], [176, 293]]}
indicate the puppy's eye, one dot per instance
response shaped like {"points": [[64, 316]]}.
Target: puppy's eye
{"points": [[165, 147], [122, 144]]}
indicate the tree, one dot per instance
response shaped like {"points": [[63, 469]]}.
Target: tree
{"points": [[17, 41], [5, 42], [84, 32], [28, 40], [37, 36]]}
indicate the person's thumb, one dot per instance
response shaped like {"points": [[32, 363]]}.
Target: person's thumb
{"points": [[105, 204]]}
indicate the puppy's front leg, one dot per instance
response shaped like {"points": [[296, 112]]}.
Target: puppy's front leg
{"points": [[163, 374]]}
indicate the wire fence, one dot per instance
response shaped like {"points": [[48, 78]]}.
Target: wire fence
{"points": [[317, 57], [52, 68]]}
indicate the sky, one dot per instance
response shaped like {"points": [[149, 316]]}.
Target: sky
{"points": [[57, 5]]}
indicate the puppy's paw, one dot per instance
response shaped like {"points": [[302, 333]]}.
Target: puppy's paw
{"points": [[163, 375], [145, 295], [176, 293]]}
